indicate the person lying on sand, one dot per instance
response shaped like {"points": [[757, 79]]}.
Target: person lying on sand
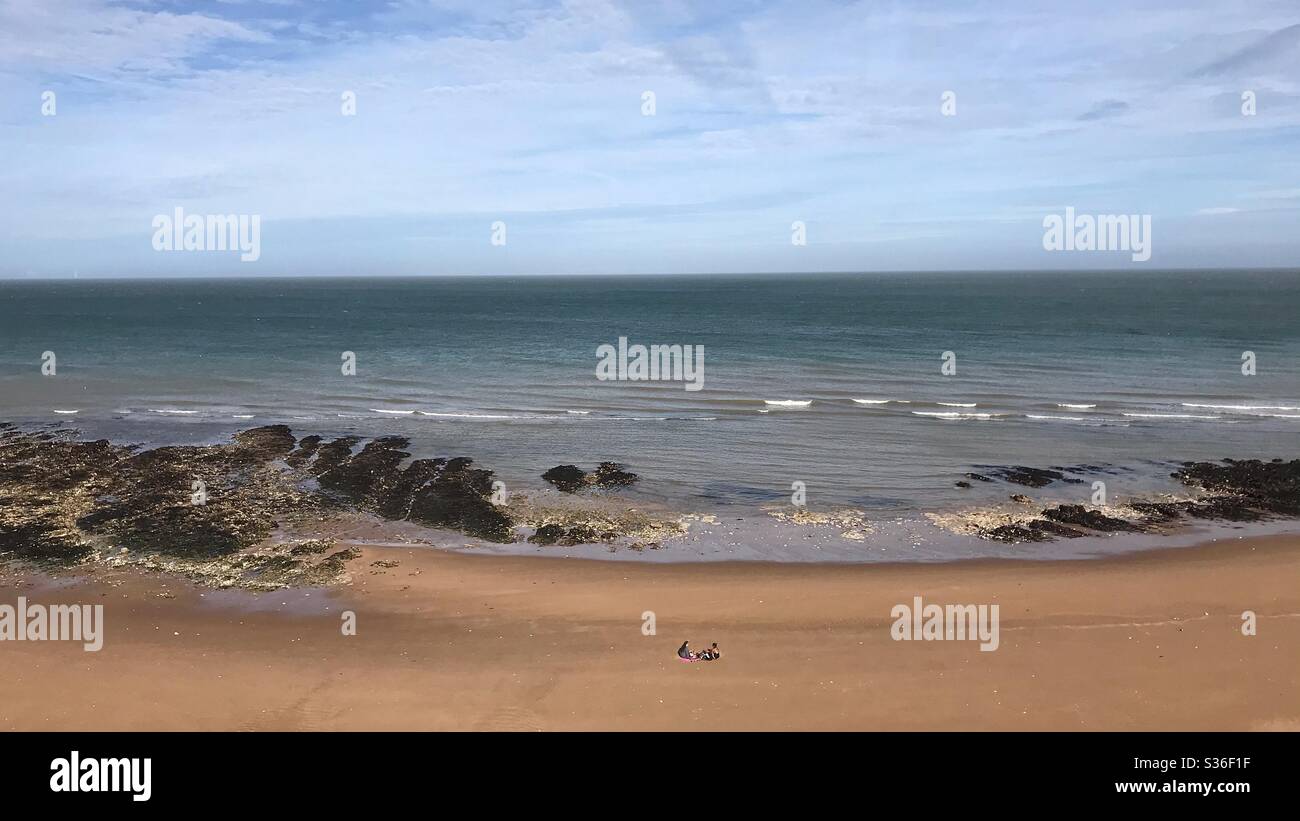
{"points": [[712, 653]]}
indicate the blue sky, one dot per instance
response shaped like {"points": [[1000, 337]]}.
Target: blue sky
{"points": [[530, 113]]}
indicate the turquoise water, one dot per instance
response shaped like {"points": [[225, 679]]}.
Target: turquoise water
{"points": [[504, 370]]}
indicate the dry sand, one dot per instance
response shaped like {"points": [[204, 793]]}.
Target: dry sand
{"points": [[461, 642]]}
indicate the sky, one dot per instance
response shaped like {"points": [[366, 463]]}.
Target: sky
{"points": [[533, 114]]}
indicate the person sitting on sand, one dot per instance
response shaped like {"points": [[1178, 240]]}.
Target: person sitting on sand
{"points": [[711, 654], [684, 652]]}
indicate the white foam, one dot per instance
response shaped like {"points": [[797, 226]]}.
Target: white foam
{"points": [[873, 401], [578, 413], [241, 416], [67, 412], [173, 410], [956, 404], [1074, 407], [953, 415], [477, 415], [1056, 417], [393, 412], [1169, 416], [788, 403], [1242, 407]]}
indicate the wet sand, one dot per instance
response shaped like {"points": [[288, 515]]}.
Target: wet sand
{"points": [[1150, 640]]}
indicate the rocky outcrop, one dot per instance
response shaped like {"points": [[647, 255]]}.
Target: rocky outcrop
{"points": [[62, 499], [571, 478], [1235, 490]]}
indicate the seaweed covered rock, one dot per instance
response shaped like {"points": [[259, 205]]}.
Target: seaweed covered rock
{"points": [[567, 478], [1091, 519], [554, 534], [571, 478], [61, 499], [1268, 486]]}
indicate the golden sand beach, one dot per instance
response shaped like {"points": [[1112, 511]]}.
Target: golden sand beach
{"points": [[444, 641]]}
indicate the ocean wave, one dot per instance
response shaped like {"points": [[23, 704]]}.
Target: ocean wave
{"points": [[392, 412], [956, 404], [1057, 418], [67, 412], [1074, 407], [954, 415], [788, 403], [1242, 407], [173, 411], [1169, 416], [241, 416], [481, 415], [873, 401], [578, 412]]}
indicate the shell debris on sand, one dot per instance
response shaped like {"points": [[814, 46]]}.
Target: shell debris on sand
{"points": [[853, 523]]}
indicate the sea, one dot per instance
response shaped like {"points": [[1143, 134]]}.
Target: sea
{"points": [[876, 391]]}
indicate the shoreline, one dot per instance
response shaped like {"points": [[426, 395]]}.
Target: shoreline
{"points": [[1147, 640], [269, 509]]}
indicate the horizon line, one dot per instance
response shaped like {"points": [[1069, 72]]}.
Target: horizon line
{"points": [[561, 275]]}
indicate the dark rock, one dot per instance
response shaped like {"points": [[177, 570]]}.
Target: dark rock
{"points": [[1013, 534], [1091, 519], [611, 474], [549, 534], [1044, 526], [963, 484], [306, 450], [571, 478], [567, 478], [1273, 487], [1021, 498], [63, 498]]}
